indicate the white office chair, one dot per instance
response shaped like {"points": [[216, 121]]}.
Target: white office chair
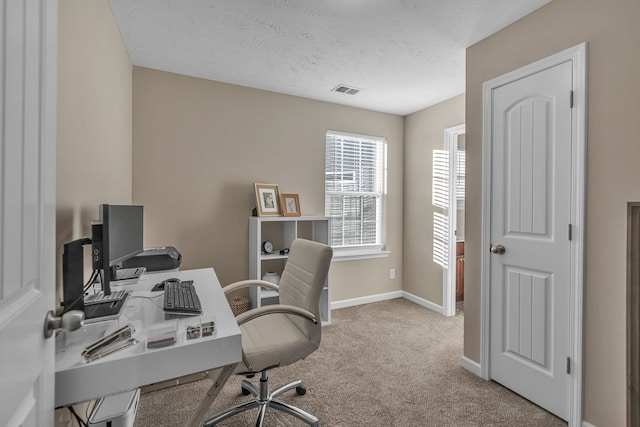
{"points": [[281, 334]]}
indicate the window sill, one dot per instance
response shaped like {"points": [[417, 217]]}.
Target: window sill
{"points": [[354, 254]]}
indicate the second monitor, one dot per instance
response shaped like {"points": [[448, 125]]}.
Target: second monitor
{"points": [[116, 236]]}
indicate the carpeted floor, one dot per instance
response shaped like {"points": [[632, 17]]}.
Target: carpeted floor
{"points": [[391, 363]]}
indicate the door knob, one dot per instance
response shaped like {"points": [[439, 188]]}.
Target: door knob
{"points": [[498, 249], [69, 321]]}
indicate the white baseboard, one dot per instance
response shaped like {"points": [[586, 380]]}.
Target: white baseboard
{"points": [[365, 300], [587, 424], [470, 365], [387, 296], [423, 302]]}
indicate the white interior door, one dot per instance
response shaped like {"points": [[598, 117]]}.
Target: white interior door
{"points": [[27, 209], [530, 219]]}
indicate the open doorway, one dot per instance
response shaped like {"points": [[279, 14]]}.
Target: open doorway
{"points": [[453, 274]]}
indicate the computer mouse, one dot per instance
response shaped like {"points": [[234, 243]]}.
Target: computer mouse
{"points": [[160, 286]]}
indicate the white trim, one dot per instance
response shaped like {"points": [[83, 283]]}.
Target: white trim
{"points": [[423, 302], [470, 365], [579, 190], [353, 254], [386, 296], [587, 424], [451, 135], [365, 300], [357, 136], [578, 55]]}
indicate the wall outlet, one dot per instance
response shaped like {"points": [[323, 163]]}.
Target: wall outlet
{"points": [[392, 273]]}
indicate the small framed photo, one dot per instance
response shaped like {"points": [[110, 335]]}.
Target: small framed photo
{"points": [[290, 205], [267, 199]]}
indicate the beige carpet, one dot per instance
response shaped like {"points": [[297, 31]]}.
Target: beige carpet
{"points": [[391, 363]]}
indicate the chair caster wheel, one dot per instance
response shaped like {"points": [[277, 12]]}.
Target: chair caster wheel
{"points": [[245, 391], [301, 390]]}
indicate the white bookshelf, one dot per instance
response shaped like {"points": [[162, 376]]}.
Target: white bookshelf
{"points": [[282, 231]]}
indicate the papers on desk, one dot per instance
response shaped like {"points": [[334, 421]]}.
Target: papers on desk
{"points": [[121, 338]]}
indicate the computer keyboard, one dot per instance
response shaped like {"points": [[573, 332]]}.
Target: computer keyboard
{"points": [[99, 297], [181, 298]]}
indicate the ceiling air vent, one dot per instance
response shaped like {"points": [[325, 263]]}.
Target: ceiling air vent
{"points": [[345, 89]]}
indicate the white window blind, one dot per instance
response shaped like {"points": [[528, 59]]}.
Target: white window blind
{"points": [[461, 171], [440, 239], [440, 199], [440, 187], [354, 186], [440, 179]]}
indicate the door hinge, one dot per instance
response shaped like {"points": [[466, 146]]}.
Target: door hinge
{"points": [[568, 365], [570, 232], [570, 99]]}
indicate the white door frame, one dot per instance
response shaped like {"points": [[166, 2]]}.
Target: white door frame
{"points": [[451, 135], [578, 55]]}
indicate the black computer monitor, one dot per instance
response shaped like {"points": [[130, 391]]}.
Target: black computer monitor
{"points": [[116, 236]]}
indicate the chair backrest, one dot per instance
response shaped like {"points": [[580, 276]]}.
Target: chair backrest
{"points": [[302, 282]]}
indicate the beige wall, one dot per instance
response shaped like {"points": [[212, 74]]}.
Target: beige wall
{"points": [[94, 118], [200, 145], [94, 124], [612, 32], [424, 132]]}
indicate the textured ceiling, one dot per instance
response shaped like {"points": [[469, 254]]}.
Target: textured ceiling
{"points": [[404, 55]]}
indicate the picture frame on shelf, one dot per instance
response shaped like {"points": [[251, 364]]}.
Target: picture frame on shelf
{"points": [[267, 199], [290, 204]]}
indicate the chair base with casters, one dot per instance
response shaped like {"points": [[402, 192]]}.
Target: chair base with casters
{"points": [[265, 399]]}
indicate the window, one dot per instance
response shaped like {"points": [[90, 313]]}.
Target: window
{"points": [[354, 189]]}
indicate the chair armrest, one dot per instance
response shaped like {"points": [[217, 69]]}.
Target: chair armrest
{"points": [[275, 308], [248, 283]]}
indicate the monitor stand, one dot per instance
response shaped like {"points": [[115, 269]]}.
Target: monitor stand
{"points": [[73, 274]]}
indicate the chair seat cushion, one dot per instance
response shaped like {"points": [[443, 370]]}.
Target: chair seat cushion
{"points": [[273, 340]]}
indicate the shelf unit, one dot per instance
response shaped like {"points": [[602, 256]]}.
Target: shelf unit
{"points": [[282, 231]]}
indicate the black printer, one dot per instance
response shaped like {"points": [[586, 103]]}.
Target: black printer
{"points": [[155, 259]]}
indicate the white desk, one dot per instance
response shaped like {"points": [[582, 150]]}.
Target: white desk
{"points": [[133, 367]]}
